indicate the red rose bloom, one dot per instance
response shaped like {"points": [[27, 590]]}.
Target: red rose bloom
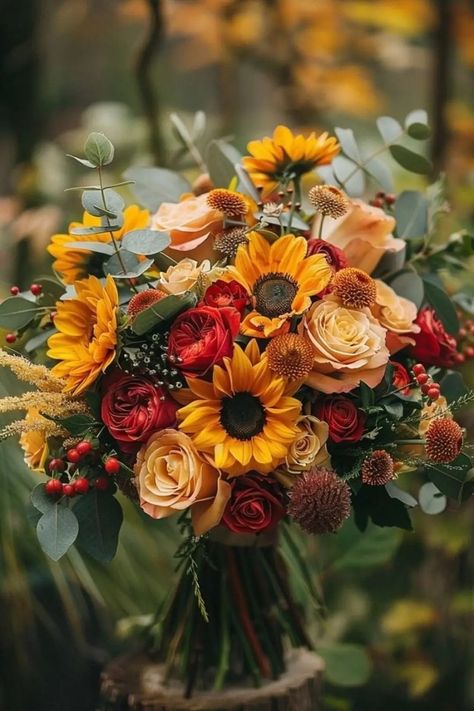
{"points": [[226, 293], [433, 346], [400, 378], [133, 407], [334, 255], [201, 337], [255, 505], [346, 423]]}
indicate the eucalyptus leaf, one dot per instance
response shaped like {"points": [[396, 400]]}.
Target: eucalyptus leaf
{"points": [[40, 499], [389, 129], [145, 241], [95, 230], [348, 143], [17, 312], [83, 161], [92, 202], [453, 386], [346, 664], [57, 530], [99, 247], [409, 285], [126, 265], [37, 341], [395, 492], [451, 478], [51, 289], [350, 175], [162, 310], [154, 186], [98, 149], [419, 131], [100, 518], [443, 306], [465, 301], [199, 126], [411, 213], [414, 162], [378, 170], [246, 185], [221, 158], [432, 501]]}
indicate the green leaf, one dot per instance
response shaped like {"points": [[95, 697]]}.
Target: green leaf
{"points": [[154, 186], [381, 174], [100, 518], [245, 183], [37, 341], [356, 550], [57, 530], [382, 509], [409, 285], [453, 386], [98, 149], [92, 202], [354, 182], [432, 501], [411, 213], [163, 310], [389, 129], [82, 161], [145, 241], [346, 664], [52, 290], [409, 160], [348, 143], [394, 408], [76, 425], [221, 159], [443, 306], [416, 125], [396, 493], [17, 312], [99, 247], [451, 478], [465, 301], [40, 499], [96, 230], [133, 266]]}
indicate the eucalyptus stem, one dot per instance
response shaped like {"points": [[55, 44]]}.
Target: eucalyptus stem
{"points": [[320, 229], [410, 441], [366, 161], [296, 198]]}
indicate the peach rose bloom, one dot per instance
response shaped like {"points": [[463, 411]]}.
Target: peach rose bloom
{"points": [[349, 347], [365, 235], [397, 315], [309, 448], [183, 276], [171, 476], [189, 224]]}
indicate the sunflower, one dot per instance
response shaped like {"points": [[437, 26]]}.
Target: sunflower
{"points": [[87, 338], [280, 279], [287, 156], [73, 264], [245, 419]]}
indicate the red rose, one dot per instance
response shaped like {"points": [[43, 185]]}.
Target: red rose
{"points": [[346, 422], [334, 255], [433, 346], [201, 337], [400, 378], [134, 407], [255, 505], [226, 293]]}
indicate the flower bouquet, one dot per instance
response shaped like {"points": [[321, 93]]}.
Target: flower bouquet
{"points": [[259, 352]]}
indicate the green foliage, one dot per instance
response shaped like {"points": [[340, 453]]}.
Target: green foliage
{"points": [[432, 501], [346, 664], [162, 310], [98, 149], [76, 425], [411, 213], [442, 304], [153, 186], [407, 283], [221, 160], [126, 265], [57, 530], [17, 312], [353, 549], [454, 480], [145, 241], [100, 518]]}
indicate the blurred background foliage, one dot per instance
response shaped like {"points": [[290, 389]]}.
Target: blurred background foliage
{"points": [[398, 624]]}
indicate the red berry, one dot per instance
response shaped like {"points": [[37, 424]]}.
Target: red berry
{"points": [[468, 323], [101, 483], [433, 392], [112, 466], [81, 485], [418, 369], [422, 378], [469, 351], [36, 289], [53, 487], [57, 465], [10, 337], [14, 290], [462, 333], [73, 455], [380, 194], [68, 490], [390, 198], [425, 388], [377, 202], [84, 448], [459, 358]]}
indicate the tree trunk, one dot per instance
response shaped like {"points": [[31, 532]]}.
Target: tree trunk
{"points": [[136, 683]]}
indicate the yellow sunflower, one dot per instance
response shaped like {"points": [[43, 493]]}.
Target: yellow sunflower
{"points": [[245, 419], [34, 443], [87, 338], [73, 264], [287, 156], [280, 279]]}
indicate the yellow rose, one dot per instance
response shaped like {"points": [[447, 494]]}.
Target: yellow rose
{"points": [[183, 276], [365, 235], [309, 447], [436, 408], [34, 443], [396, 314], [349, 346], [171, 476], [189, 224]]}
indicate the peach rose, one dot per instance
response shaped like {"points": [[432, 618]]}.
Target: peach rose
{"points": [[189, 223], [397, 315], [364, 234], [171, 476], [183, 276], [309, 447], [349, 347]]}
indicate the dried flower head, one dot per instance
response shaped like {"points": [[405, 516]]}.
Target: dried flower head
{"points": [[444, 438], [290, 356], [329, 200], [141, 301], [378, 469], [354, 287], [273, 209], [320, 501], [228, 241], [230, 203]]}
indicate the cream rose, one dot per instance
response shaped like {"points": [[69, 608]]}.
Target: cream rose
{"points": [[183, 276], [396, 314], [309, 447], [171, 476], [349, 346], [365, 235]]}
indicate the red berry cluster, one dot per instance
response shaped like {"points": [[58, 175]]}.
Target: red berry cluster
{"points": [[382, 199], [464, 338], [80, 484], [36, 290], [425, 381]]}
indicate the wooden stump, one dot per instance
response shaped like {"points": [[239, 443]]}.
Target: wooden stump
{"points": [[135, 683]]}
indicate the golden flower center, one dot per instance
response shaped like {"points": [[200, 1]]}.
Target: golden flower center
{"points": [[242, 415], [274, 294]]}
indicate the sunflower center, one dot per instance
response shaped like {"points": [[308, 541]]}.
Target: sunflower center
{"points": [[274, 294], [242, 415]]}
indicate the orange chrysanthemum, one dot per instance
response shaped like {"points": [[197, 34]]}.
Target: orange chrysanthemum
{"points": [[285, 156], [86, 343], [73, 264]]}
